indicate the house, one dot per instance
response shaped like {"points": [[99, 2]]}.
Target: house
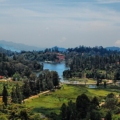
{"points": [[1, 77]]}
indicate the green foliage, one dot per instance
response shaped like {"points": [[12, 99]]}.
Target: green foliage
{"points": [[24, 114], [3, 117], [16, 94], [82, 105], [95, 115], [81, 109], [45, 103], [94, 103], [16, 76], [26, 91], [105, 84], [5, 95], [108, 116], [63, 111], [111, 101]]}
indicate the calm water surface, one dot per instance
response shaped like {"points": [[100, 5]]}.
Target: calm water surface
{"points": [[58, 67]]}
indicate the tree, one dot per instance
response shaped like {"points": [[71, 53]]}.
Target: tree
{"points": [[26, 89], [5, 95], [2, 117], [13, 96], [16, 95], [71, 111], [105, 84], [55, 78], [24, 115], [16, 76], [95, 103], [108, 116], [95, 115], [111, 101], [97, 82], [64, 111], [82, 105], [32, 76]]}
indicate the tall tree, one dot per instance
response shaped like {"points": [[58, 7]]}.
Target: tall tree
{"points": [[95, 115], [95, 103], [26, 89], [64, 111], [82, 105], [108, 116], [5, 95], [111, 101], [13, 96], [55, 78], [18, 94]]}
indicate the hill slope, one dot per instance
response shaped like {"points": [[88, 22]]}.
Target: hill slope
{"points": [[17, 46], [113, 48]]}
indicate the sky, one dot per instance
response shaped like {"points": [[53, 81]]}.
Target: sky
{"points": [[63, 23]]}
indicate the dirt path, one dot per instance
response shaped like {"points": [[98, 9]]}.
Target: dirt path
{"points": [[36, 96]]}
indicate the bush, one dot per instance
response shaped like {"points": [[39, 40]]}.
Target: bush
{"points": [[3, 117]]}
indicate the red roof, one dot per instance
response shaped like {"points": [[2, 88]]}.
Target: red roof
{"points": [[1, 77]]}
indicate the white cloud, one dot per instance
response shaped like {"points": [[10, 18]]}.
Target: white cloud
{"points": [[117, 43], [80, 24]]}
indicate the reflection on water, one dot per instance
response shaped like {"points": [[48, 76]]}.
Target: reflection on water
{"points": [[59, 67], [92, 86]]}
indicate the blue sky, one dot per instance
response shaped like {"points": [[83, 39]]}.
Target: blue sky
{"points": [[65, 23]]}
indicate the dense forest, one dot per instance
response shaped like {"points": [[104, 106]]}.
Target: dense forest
{"points": [[95, 63]]}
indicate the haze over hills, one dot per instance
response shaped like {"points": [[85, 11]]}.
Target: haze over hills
{"points": [[17, 46], [59, 48], [113, 48]]}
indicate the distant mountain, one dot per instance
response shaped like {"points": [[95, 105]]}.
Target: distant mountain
{"points": [[17, 46], [113, 48], [60, 49], [7, 52]]}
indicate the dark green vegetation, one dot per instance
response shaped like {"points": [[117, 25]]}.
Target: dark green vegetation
{"points": [[51, 103], [9, 66], [66, 102], [96, 63]]}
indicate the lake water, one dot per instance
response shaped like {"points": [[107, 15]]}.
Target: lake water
{"points": [[58, 67], [92, 86]]}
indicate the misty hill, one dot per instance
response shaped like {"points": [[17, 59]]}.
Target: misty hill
{"points": [[113, 48], [7, 52], [17, 46], [60, 49]]}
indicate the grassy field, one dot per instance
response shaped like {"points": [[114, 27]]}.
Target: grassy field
{"points": [[51, 102], [82, 80]]}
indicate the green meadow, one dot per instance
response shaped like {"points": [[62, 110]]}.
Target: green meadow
{"points": [[51, 102]]}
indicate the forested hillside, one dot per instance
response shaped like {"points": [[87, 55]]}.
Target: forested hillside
{"points": [[97, 63], [19, 82]]}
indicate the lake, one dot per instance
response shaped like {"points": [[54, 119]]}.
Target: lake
{"points": [[92, 86], [58, 67]]}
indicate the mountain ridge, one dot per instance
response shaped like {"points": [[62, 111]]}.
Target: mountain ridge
{"points": [[9, 45], [12, 46], [113, 48]]}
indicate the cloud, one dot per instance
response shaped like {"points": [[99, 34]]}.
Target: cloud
{"points": [[117, 43], [61, 22]]}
